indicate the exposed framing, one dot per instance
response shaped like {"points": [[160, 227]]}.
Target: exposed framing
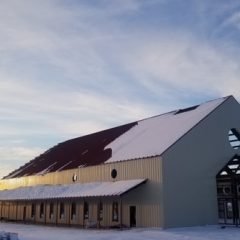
{"points": [[228, 192]]}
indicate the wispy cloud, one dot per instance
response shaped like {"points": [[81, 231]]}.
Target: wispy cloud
{"points": [[184, 63], [16, 156]]}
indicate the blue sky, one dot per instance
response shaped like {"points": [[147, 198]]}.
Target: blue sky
{"points": [[68, 68]]}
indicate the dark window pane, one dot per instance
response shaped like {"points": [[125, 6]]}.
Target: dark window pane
{"points": [[41, 213], [115, 212], [85, 210], [62, 210], [73, 211]]}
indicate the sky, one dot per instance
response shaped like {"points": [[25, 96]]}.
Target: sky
{"points": [[70, 68]]}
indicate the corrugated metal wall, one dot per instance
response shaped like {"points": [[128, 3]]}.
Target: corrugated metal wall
{"points": [[132, 169], [147, 198]]}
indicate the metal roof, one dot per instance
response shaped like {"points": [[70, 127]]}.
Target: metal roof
{"points": [[84, 151], [77, 190], [145, 138]]}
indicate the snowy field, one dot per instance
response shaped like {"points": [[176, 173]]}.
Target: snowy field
{"points": [[33, 232]]}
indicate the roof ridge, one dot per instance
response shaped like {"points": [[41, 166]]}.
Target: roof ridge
{"points": [[162, 132], [224, 100], [174, 111]]}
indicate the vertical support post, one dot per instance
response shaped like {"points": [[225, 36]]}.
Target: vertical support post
{"points": [[70, 212], [17, 212], [57, 214], [1, 208], [45, 212], [98, 213], [9, 210], [235, 201], [83, 216], [24, 212], [35, 212], [121, 212]]}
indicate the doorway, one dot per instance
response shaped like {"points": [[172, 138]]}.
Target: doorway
{"points": [[225, 211], [132, 210], [24, 213]]}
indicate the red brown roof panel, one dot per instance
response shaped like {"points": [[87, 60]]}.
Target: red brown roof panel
{"points": [[83, 151]]}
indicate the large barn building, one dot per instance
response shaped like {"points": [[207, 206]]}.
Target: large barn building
{"points": [[177, 169]]}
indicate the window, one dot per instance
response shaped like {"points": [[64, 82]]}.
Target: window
{"points": [[221, 209], [186, 109], [51, 210], [74, 177], [41, 213], [62, 210], [114, 173], [115, 212], [227, 190], [100, 211], [234, 138], [33, 210], [73, 211], [85, 210]]}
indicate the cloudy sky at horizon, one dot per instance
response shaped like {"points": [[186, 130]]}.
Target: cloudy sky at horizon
{"points": [[69, 68]]}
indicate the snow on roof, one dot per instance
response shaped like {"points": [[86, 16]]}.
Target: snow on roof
{"points": [[46, 170], [152, 136], [93, 189]]}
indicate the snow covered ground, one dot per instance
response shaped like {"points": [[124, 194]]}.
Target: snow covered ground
{"points": [[33, 232]]}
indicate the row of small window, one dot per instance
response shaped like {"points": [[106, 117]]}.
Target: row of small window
{"points": [[115, 211], [227, 190]]}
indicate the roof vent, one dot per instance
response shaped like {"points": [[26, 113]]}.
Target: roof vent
{"points": [[186, 109]]}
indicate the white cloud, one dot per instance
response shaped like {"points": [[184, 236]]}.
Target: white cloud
{"points": [[14, 157], [185, 63], [14, 153], [234, 20]]}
